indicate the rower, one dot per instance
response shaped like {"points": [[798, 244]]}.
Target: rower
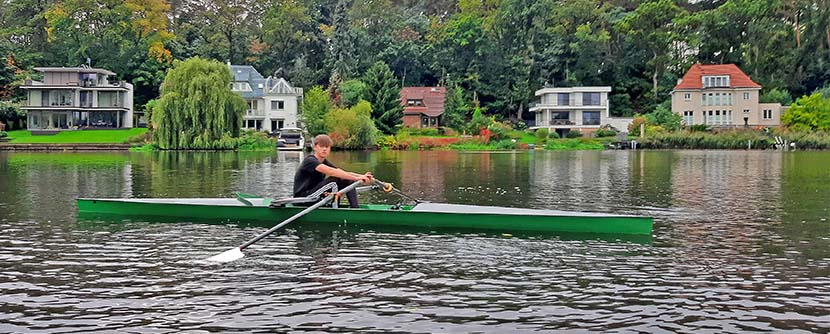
{"points": [[315, 172]]}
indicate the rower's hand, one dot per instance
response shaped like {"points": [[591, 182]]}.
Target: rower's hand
{"points": [[367, 178]]}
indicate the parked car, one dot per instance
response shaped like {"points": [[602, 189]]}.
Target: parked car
{"points": [[291, 139]]}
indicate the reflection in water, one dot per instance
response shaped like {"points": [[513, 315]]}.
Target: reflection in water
{"points": [[741, 243]]}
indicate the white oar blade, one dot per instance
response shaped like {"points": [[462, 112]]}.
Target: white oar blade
{"points": [[232, 254]]}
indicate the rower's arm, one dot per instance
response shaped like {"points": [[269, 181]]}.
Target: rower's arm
{"points": [[338, 173]]}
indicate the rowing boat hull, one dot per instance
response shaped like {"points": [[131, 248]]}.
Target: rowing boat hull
{"points": [[427, 215]]}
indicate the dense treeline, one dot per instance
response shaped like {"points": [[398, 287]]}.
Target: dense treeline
{"points": [[491, 52]]}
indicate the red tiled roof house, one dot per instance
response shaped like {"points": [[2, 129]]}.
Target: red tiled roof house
{"points": [[423, 106], [722, 96]]}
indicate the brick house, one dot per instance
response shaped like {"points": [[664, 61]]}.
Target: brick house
{"points": [[423, 106]]}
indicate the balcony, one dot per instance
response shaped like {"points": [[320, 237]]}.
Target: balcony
{"points": [[561, 122], [254, 113]]}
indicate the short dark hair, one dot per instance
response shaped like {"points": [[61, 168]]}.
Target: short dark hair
{"points": [[322, 141]]}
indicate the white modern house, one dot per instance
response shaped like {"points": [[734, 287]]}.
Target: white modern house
{"points": [[72, 98], [562, 109], [273, 103]]}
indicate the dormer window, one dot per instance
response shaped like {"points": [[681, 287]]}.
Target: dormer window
{"points": [[241, 87], [716, 81], [414, 102]]}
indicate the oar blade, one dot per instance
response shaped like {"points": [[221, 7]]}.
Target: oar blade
{"points": [[230, 255]]}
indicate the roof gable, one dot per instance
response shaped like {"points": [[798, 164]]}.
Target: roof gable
{"points": [[432, 98], [693, 77]]}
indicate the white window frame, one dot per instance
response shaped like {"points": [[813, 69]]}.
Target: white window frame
{"points": [[275, 105], [747, 95], [689, 117], [767, 114], [687, 96]]}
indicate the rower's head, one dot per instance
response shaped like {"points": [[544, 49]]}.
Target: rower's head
{"points": [[322, 145]]}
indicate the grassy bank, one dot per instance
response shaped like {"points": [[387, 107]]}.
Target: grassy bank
{"points": [[735, 139], [119, 136]]}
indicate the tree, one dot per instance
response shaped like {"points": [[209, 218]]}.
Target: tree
{"points": [[352, 128], [384, 94], [316, 106], [649, 27], [197, 109], [664, 117], [776, 95], [455, 108], [809, 113], [351, 92]]}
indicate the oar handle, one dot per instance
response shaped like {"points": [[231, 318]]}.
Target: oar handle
{"points": [[324, 201]]}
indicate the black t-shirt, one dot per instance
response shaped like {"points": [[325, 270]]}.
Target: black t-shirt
{"points": [[307, 177]]}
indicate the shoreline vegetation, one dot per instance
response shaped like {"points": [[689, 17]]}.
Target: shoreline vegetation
{"points": [[431, 139]]}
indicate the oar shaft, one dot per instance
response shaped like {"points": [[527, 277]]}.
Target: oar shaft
{"points": [[396, 190], [324, 201]]}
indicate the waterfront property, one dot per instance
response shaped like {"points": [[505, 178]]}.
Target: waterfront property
{"points": [[423, 106], [563, 109], [273, 103], [71, 98], [722, 96]]}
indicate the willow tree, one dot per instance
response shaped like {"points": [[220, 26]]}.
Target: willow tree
{"points": [[197, 109]]}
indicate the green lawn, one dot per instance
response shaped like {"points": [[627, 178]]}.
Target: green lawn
{"points": [[77, 137]]}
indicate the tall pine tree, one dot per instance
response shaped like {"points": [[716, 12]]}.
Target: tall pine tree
{"points": [[384, 93]]}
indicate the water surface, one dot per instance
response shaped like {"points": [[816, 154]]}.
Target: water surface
{"points": [[741, 243]]}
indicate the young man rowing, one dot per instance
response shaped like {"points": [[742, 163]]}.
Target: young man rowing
{"points": [[315, 172]]}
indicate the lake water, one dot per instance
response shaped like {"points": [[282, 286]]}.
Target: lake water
{"points": [[741, 242]]}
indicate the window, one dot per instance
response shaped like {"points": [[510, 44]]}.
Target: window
{"points": [[767, 113], [564, 99], [717, 99], [414, 102], [687, 97], [241, 87], [704, 103], [590, 99], [253, 104], [277, 105], [688, 117], [746, 111], [253, 124], [716, 81], [590, 118], [747, 96]]}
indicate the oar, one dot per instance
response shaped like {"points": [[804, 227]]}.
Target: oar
{"points": [[388, 187], [235, 253]]}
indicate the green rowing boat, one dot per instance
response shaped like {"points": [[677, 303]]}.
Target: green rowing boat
{"points": [[427, 215]]}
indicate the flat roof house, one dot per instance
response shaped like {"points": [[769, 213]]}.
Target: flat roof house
{"points": [[273, 103], [586, 109], [722, 96], [71, 98], [423, 106]]}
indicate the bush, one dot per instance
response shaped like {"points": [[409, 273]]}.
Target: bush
{"points": [[507, 144], [553, 135], [252, 140], [421, 131], [574, 134], [542, 133], [605, 133], [699, 128], [735, 139], [143, 138], [4, 134], [500, 130]]}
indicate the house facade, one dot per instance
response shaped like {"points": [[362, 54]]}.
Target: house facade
{"points": [[273, 103], [563, 109], [423, 106], [72, 98], [722, 96]]}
